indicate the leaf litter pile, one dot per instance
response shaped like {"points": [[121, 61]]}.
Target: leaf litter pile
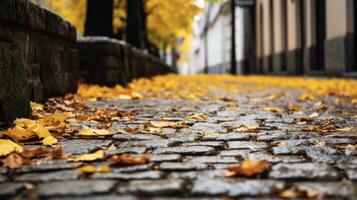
{"points": [[32, 141]]}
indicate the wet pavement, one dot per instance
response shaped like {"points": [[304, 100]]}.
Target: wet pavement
{"points": [[190, 162]]}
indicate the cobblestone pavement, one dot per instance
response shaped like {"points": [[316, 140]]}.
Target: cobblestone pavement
{"points": [[190, 162]]}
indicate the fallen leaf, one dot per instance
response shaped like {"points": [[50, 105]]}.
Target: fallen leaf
{"points": [[94, 132], [293, 107], [8, 146], [306, 96], [132, 131], [14, 161], [49, 141], [290, 193], [198, 116], [273, 109], [250, 129], [19, 134], [314, 115], [91, 169], [163, 124], [248, 168], [89, 157], [127, 159]]}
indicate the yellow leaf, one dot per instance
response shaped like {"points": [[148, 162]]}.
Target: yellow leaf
{"points": [[94, 132], [60, 117], [19, 133], [36, 106], [91, 169], [273, 109], [198, 116], [42, 132], [102, 132], [248, 168], [89, 157], [86, 132], [8, 146], [49, 141], [25, 123], [306, 96]]}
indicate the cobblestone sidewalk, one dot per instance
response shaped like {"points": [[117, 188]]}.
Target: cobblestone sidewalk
{"points": [[190, 163]]}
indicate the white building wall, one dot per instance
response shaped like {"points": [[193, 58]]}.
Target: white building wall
{"points": [[219, 42]]}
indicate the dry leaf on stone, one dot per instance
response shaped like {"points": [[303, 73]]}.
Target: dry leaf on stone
{"points": [[14, 161], [307, 97], [91, 169], [132, 131], [127, 159], [7, 147], [49, 141], [250, 129], [94, 132], [89, 157], [273, 109], [291, 193], [248, 168], [164, 124], [198, 116]]}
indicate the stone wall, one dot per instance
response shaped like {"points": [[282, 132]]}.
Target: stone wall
{"points": [[109, 62], [38, 57]]}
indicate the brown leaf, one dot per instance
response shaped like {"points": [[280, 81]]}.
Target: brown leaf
{"points": [[248, 168], [34, 153], [290, 193], [14, 161], [132, 130], [127, 159]]}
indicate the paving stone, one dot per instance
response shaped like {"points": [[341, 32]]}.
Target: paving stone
{"points": [[273, 137], [75, 188], [154, 174], [193, 150], [135, 137], [352, 174], [213, 159], [233, 136], [300, 150], [332, 189], [193, 175], [235, 187], [179, 166], [243, 153], [49, 166], [7, 189], [316, 171], [319, 155], [49, 176], [165, 157], [3, 178], [133, 150], [82, 146], [100, 197], [209, 127], [151, 144], [135, 168], [184, 137], [247, 145], [276, 159], [154, 187], [215, 144]]}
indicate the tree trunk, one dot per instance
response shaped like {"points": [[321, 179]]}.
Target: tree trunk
{"points": [[136, 24], [99, 20]]}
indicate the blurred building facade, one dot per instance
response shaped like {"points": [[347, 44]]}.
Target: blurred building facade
{"points": [[280, 37]]}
